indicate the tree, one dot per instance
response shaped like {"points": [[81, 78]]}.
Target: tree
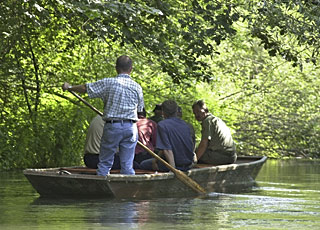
{"points": [[290, 29], [176, 45]]}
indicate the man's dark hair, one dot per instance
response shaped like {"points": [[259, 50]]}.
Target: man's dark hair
{"points": [[170, 108], [123, 64], [157, 107], [201, 105]]}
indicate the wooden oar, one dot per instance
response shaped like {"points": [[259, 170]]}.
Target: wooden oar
{"points": [[180, 175]]}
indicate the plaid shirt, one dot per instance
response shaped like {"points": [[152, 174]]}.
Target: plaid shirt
{"points": [[122, 97]]}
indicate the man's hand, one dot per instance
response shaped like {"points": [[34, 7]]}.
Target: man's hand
{"points": [[74, 88], [202, 147], [66, 86]]}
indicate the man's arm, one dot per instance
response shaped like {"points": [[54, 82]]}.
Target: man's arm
{"points": [[202, 148], [169, 156], [75, 88]]}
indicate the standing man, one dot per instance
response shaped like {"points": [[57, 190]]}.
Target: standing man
{"points": [[216, 145], [123, 99], [174, 141]]}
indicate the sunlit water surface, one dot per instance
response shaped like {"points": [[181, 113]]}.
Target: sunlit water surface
{"points": [[287, 197]]}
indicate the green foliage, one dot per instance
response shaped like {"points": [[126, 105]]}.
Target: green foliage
{"points": [[276, 105], [56, 139], [253, 62], [290, 29]]}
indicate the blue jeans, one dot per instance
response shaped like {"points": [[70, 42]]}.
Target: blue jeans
{"points": [[92, 161], [122, 135]]}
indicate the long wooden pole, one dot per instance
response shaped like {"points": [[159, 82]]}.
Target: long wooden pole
{"points": [[180, 175]]}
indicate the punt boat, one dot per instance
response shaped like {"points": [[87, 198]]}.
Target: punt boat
{"points": [[83, 182]]}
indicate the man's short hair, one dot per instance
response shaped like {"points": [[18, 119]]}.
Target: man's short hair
{"points": [[169, 108], [201, 105], [124, 63]]}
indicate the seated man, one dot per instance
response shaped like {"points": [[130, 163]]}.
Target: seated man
{"points": [[174, 141], [157, 114], [216, 145], [147, 132]]}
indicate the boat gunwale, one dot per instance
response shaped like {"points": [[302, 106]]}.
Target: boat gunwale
{"points": [[233, 166], [57, 172]]}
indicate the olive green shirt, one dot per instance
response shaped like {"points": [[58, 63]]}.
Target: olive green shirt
{"points": [[218, 134]]}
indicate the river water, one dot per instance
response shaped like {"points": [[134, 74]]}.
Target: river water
{"points": [[287, 196]]}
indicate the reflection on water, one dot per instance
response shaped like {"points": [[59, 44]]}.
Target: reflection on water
{"points": [[287, 197]]}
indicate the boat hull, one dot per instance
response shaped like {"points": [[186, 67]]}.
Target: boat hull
{"points": [[78, 182]]}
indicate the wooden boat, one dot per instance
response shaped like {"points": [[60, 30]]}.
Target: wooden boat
{"points": [[83, 182]]}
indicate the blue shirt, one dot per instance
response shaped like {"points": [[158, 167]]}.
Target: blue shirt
{"points": [[122, 97], [174, 134]]}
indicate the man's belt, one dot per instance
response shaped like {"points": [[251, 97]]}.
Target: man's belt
{"points": [[120, 121]]}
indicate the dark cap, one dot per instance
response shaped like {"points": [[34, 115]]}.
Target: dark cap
{"points": [[158, 107]]}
